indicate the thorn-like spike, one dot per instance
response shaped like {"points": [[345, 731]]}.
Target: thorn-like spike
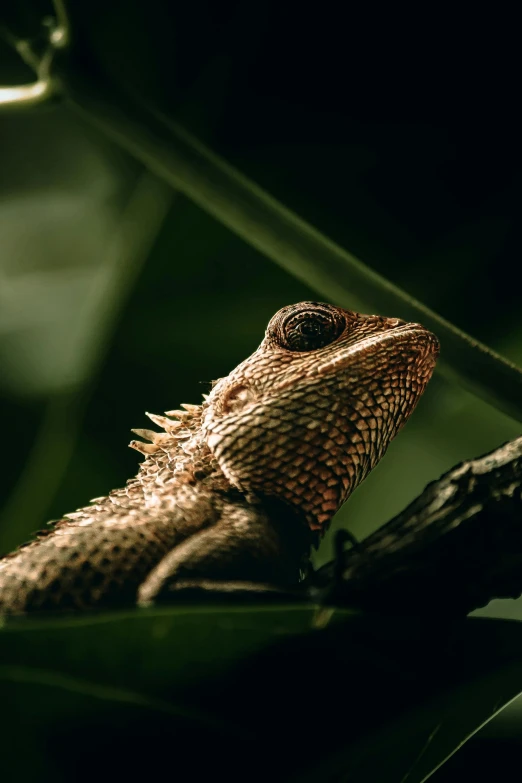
{"points": [[143, 448], [175, 425], [147, 434], [162, 421], [158, 438], [97, 500], [178, 414], [206, 397], [190, 408]]}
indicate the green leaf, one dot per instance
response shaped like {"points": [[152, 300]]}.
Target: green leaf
{"points": [[176, 157], [250, 692], [44, 353]]}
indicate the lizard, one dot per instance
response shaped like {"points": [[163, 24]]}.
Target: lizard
{"points": [[241, 486]]}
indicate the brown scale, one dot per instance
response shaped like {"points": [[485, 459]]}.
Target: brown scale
{"points": [[231, 489]]}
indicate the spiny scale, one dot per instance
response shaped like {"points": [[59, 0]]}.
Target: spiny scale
{"points": [[178, 414], [147, 434], [174, 430], [163, 422], [144, 448], [191, 408]]}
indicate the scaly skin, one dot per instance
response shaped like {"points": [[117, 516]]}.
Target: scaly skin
{"points": [[238, 488]]}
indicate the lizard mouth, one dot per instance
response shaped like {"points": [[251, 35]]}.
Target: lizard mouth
{"points": [[413, 339]]}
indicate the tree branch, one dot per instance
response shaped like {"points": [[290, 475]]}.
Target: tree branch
{"points": [[452, 550]]}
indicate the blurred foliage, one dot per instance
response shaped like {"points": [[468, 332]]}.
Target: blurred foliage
{"points": [[364, 140], [214, 678]]}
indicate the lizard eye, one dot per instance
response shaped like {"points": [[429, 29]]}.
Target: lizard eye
{"points": [[307, 330]]}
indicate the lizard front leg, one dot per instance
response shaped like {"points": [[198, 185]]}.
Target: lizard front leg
{"points": [[246, 544], [99, 562]]}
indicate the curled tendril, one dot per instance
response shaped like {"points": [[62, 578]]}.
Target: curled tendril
{"points": [[44, 88]]}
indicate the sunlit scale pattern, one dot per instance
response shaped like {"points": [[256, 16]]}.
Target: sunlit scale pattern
{"points": [[309, 426]]}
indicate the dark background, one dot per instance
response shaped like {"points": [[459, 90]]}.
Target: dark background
{"points": [[393, 131]]}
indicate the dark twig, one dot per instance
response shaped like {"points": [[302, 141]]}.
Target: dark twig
{"points": [[455, 548]]}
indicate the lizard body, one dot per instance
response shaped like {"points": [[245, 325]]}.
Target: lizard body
{"points": [[237, 488]]}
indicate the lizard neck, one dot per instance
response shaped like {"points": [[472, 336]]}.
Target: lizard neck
{"points": [[179, 457]]}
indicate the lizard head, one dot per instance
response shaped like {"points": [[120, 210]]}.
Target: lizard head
{"points": [[312, 411]]}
